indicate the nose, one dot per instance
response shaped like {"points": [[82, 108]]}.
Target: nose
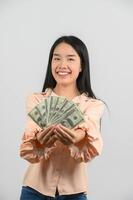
{"points": [[63, 64]]}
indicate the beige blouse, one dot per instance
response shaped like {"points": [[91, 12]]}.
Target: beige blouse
{"points": [[62, 166]]}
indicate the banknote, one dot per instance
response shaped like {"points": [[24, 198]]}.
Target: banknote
{"points": [[71, 118], [55, 110], [36, 117], [58, 103], [62, 109]]}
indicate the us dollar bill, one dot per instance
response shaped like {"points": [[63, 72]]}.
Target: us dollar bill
{"points": [[36, 117], [56, 104], [71, 118], [56, 109]]}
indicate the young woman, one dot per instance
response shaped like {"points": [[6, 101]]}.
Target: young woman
{"points": [[57, 155]]}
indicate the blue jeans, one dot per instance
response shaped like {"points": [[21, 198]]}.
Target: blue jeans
{"points": [[29, 193]]}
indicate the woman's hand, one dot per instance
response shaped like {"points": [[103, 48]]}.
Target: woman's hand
{"points": [[47, 137], [68, 136]]}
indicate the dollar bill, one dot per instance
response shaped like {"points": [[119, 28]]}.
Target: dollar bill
{"points": [[62, 109], [71, 118], [42, 108], [58, 103], [36, 117], [56, 109]]}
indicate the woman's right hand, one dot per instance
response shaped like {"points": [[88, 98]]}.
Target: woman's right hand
{"points": [[47, 136]]}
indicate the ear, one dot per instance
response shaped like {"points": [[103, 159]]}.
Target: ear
{"points": [[80, 69]]}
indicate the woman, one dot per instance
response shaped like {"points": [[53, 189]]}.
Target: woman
{"points": [[57, 155]]}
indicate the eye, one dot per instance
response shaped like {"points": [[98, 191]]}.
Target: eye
{"points": [[71, 59], [56, 58]]}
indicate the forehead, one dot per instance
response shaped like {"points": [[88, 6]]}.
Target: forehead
{"points": [[64, 49]]}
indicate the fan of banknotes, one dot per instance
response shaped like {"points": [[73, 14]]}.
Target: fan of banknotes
{"points": [[56, 110]]}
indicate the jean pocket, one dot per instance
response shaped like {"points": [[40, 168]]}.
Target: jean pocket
{"points": [[79, 196], [30, 191]]}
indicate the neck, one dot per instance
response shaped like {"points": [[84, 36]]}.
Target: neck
{"points": [[67, 91]]}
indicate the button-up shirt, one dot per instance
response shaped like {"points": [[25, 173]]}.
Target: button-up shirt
{"points": [[61, 166]]}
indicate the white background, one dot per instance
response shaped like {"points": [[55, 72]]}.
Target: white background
{"points": [[28, 29]]}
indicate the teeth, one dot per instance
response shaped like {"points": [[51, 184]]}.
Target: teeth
{"points": [[62, 73]]}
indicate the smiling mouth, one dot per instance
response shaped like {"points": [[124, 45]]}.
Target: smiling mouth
{"points": [[63, 73]]}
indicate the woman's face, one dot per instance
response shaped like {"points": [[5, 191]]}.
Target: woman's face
{"points": [[65, 64]]}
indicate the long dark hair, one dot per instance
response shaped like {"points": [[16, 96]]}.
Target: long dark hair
{"points": [[83, 80]]}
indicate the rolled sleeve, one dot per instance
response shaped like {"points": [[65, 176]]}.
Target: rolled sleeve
{"points": [[30, 148], [92, 144]]}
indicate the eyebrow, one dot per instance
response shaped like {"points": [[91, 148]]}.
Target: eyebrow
{"points": [[70, 55]]}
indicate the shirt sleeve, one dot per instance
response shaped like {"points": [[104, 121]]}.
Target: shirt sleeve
{"points": [[92, 144], [30, 148]]}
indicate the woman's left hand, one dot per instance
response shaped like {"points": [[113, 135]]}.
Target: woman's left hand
{"points": [[68, 136]]}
